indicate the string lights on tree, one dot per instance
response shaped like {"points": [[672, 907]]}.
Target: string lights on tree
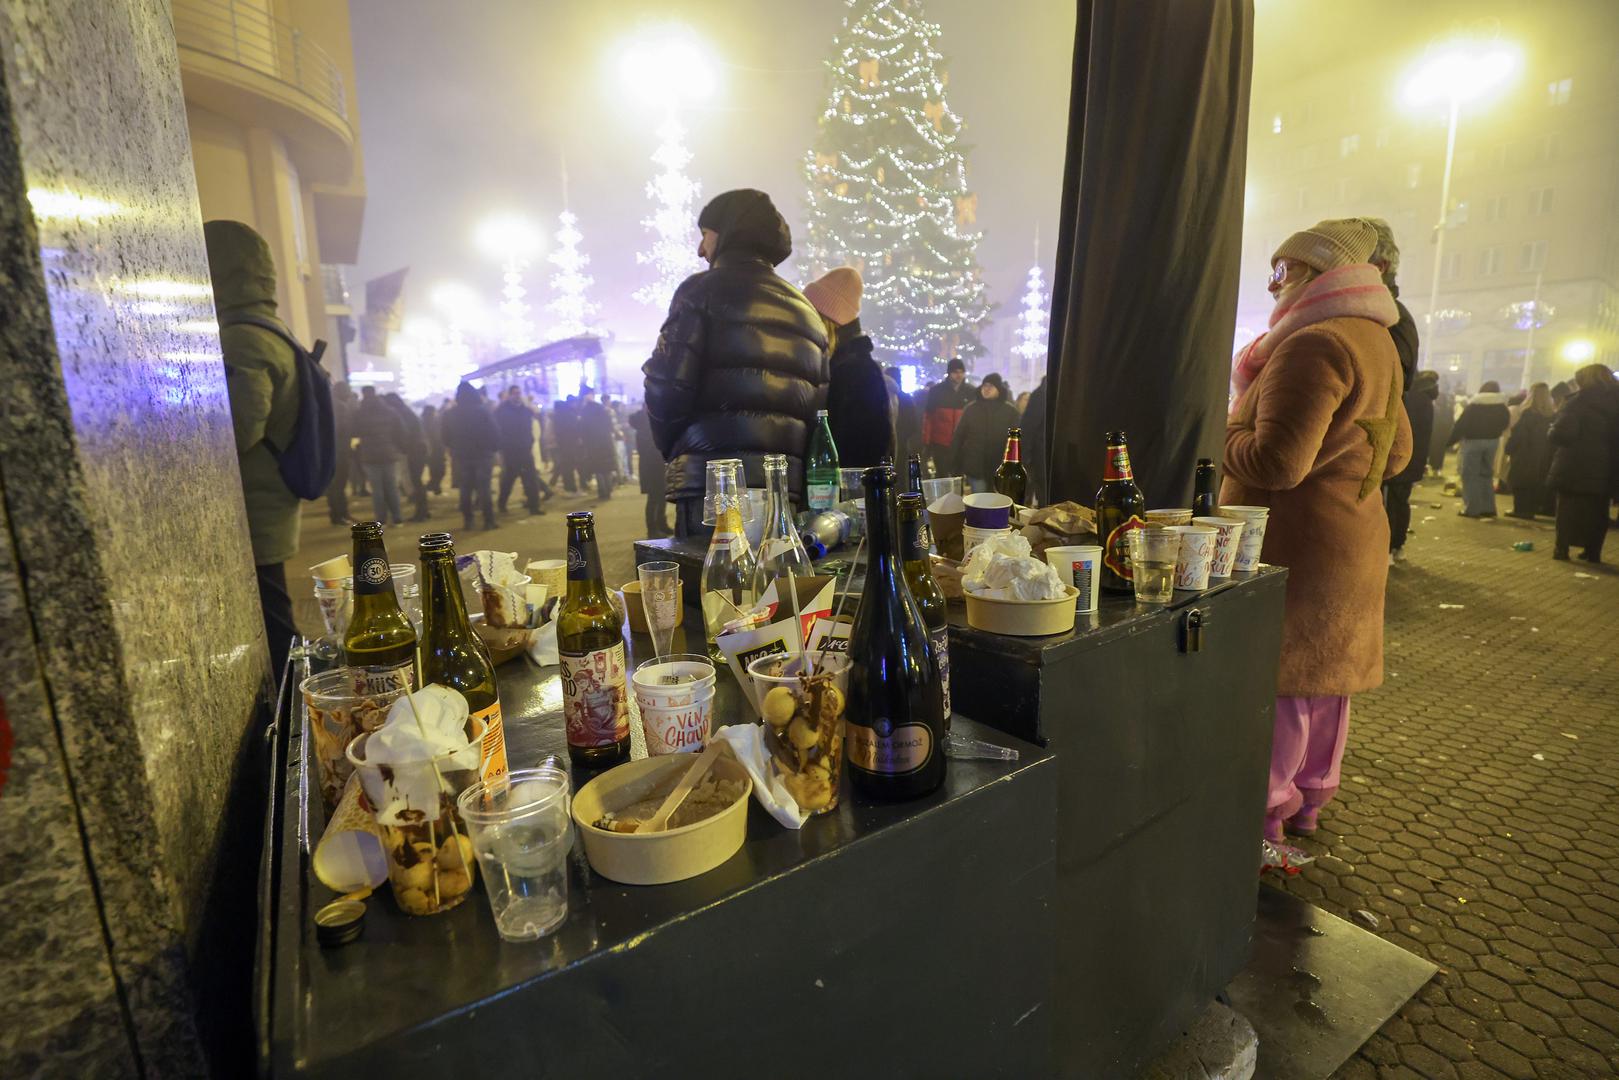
{"points": [[1034, 327], [571, 309], [512, 240], [673, 222], [888, 187]]}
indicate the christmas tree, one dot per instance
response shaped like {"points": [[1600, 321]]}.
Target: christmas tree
{"points": [[516, 328], [888, 186], [571, 309], [1033, 330], [673, 224]]}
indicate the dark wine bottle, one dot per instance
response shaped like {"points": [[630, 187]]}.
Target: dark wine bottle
{"points": [[925, 590], [1012, 479], [1204, 502], [894, 740], [379, 635], [453, 656], [590, 642]]}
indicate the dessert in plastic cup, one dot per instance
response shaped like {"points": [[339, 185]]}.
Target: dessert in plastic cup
{"points": [[802, 710]]}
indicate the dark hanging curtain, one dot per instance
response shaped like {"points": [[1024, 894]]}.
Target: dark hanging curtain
{"points": [[1144, 296]]}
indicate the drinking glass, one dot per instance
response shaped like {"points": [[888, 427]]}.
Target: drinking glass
{"points": [[660, 599], [408, 591], [1152, 563], [519, 827]]}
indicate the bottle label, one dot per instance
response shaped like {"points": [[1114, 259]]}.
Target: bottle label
{"points": [[490, 734], [1116, 549], [770, 548], [1014, 452], [372, 576], [385, 680], [822, 496], [941, 649], [1118, 464], [595, 706], [886, 748]]}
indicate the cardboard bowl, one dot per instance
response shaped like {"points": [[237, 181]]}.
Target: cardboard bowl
{"points": [[1023, 618], [661, 857], [503, 642]]}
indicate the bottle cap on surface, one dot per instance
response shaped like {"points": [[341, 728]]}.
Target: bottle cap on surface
{"points": [[339, 923]]}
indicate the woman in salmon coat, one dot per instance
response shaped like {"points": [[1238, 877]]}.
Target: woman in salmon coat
{"points": [[1317, 426]]}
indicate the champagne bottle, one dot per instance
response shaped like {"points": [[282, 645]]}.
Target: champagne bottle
{"points": [[1204, 501], [821, 465], [453, 656], [1011, 479], [379, 635], [894, 740], [1119, 506], [915, 467], [919, 579], [727, 582], [590, 644], [781, 553]]}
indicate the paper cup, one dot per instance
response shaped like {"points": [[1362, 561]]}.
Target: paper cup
{"points": [[1252, 542], [971, 538], [948, 530], [330, 574], [1170, 516], [988, 511], [671, 681], [552, 573], [678, 729], [1228, 537], [1196, 556], [1077, 566]]}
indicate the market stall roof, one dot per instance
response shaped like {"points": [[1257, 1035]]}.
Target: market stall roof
{"points": [[568, 350]]}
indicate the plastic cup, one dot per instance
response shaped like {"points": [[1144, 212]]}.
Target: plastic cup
{"points": [[937, 488], [1228, 537], [851, 484], [803, 723], [1153, 551], [971, 538], [520, 830], [430, 863], [1169, 516], [1196, 556], [1252, 542], [1077, 566], [336, 607], [343, 704]]}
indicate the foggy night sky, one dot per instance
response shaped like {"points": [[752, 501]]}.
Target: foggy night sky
{"points": [[467, 109]]}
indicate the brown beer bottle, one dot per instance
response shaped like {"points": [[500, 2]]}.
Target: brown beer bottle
{"points": [[379, 635], [590, 643], [924, 590], [1011, 479], [453, 656], [1119, 509]]}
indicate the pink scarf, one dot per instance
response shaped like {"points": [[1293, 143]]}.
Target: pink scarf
{"points": [[1355, 291]]}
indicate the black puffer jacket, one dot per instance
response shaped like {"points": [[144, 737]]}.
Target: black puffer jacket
{"points": [[980, 438], [860, 408], [1585, 442], [740, 366], [1485, 417]]}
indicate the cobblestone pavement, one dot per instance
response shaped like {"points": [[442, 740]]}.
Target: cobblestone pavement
{"points": [[1479, 814]]}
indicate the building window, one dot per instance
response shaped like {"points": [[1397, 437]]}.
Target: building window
{"points": [[1413, 175], [1276, 124], [1544, 149], [1489, 262], [1540, 201], [1452, 268], [1384, 137], [1496, 159], [1348, 145], [1495, 208], [1532, 257], [1453, 361], [1558, 93]]}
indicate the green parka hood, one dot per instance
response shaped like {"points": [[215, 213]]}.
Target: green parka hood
{"points": [[240, 264]]}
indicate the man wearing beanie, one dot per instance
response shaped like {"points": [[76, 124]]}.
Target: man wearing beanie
{"points": [[946, 401], [740, 366], [859, 406]]}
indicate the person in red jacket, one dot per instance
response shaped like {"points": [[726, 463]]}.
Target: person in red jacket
{"points": [[946, 400]]}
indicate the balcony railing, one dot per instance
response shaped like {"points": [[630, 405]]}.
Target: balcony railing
{"points": [[245, 33]]}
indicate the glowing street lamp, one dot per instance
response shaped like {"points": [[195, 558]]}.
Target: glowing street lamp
{"points": [[1579, 350], [515, 241], [1456, 74]]}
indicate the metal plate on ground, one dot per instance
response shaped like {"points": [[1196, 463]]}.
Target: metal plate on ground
{"points": [[1318, 987]]}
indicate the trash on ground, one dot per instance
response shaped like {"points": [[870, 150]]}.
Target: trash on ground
{"points": [[1583, 574], [1451, 607], [1538, 757], [1524, 545], [1283, 858], [1570, 735], [1366, 918]]}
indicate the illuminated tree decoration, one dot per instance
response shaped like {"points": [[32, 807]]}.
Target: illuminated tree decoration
{"points": [[571, 309], [888, 188], [1033, 330], [673, 224], [516, 328]]}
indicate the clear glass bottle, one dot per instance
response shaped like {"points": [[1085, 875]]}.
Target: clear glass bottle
{"points": [[727, 584], [781, 553]]}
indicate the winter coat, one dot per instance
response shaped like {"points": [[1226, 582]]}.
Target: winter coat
{"points": [[648, 459], [514, 428], [1485, 417], [1314, 436], [907, 425], [1419, 410], [980, 439], [1034, 441], [1529, 449], [1404, 334], [596, 431], [261, 378], [381, 435], [432, 432], [1583, 438], [469, 432], [738, 372], [411, 440], [942, 412], [860, 409]]}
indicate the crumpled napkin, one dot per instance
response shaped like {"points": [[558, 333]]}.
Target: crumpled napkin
{"points": [[504, 588], [748, 744], [1004, 569], [542, 645], [409, 742]]}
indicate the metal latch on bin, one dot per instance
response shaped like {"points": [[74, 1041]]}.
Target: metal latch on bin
{"points": [[1192, 630]]}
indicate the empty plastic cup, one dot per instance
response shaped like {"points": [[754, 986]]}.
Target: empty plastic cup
{"points": [[520, 831]]}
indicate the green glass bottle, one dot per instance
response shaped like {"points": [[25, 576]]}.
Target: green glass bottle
{"points": [[453, 656], [379, 635], [821, 466], [590, 641], [924, 590]]}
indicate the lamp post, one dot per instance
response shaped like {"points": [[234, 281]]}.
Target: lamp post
{"points": [[1456, 74]]}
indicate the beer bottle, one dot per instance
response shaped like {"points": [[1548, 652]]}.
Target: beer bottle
{"points": [[453, 656], [914, 467], [919, 579], [821, 465], [379, 635], [590, 644], [894, 736], [1204, 500], [1011, 479], [1119, 506]]}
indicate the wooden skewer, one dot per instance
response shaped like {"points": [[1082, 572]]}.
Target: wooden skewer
{"points": [[699, 768]]}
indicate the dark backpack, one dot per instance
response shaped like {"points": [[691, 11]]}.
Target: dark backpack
{"points": [[309, 461]]}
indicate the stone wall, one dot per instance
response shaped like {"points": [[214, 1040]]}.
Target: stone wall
{"points": [[132, 660]]}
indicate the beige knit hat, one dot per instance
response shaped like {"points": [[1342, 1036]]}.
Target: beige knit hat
{"points": [[837, 294], [1329, 244]]}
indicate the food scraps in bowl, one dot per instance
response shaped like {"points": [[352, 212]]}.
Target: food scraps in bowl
{"points": [[708, 798]]}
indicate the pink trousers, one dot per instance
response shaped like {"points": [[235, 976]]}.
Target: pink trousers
{"points": [[1306, 753]]}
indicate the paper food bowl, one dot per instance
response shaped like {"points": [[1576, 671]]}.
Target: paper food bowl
{"points": [[1023, 618], [503, 642], [661, 857]]}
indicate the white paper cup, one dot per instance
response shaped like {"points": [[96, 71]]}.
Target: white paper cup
{"points": [[1168, 516], [330, 574], [672, 681], [1077, 566], [678, 729], [971, 538], [1196, 556], [1252, 542], [1228, 537]]}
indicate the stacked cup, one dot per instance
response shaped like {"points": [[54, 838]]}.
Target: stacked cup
{"points": [[1227, 540], [1196, 558], [675, 697], [1252, 541], [988, 515]]}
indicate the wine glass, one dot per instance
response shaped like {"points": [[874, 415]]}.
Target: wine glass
{"points": [[660, 598]]}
